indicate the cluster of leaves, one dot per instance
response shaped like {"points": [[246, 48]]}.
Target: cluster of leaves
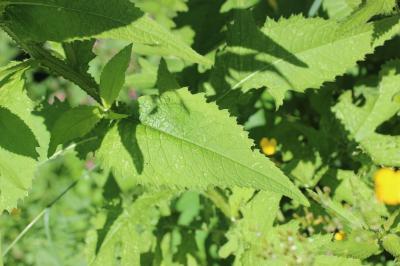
{"points": [[153, 107]]}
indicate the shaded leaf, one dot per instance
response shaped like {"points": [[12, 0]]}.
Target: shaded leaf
{"points": [[131, 233], [16, 136], [92, 19], [293, 54], [19, 157], [73, 124], [165, 80], [380, 106], [79, 53]]}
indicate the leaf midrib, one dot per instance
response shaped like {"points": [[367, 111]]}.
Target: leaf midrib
{"points": [[274, 63], [288, 192]]}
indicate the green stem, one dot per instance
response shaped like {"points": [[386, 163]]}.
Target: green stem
{"points": [[220, 202], [37, 218], [56, 65], [26, 229], [70, 147]]}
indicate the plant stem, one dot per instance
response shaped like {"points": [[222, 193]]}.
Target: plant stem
{"points": [[46, 59], [34, 221], [26, 229], [314, 8], [220, 202], [70, 147], [56, 65]]}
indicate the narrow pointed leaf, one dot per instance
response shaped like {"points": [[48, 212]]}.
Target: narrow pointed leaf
{"points": [[165, 80], [113, 76]]}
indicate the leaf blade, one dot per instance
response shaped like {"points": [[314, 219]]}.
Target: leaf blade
{"points": [[182, 133], [113, 76], [73, 124], [93, 19]]}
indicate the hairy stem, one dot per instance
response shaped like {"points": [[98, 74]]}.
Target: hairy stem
{"points": [[57, 66]]}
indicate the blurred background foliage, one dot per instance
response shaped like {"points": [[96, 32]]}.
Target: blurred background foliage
{"points": [[206, 228]]}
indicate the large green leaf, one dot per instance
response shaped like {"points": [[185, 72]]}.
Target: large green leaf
{"points": [[23, 141], [380, 105], [63, 20], [183, 141], [293, 54]]}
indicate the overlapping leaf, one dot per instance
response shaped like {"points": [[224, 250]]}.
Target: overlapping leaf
{"points": [[113, 76], [245, 239], [45, 20], [73, 124], [256, 241], [295, 53], [23, 140], [380, 105], [130, 234]]}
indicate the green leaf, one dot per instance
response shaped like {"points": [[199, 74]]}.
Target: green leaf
{"points": [[367, 10], [349, 219], [245, 237], [23, 140], [83, 19], [16, 136], [113, 76], [74, 123], [183, 141], [391, 243], [131, 233], [78, 54], [1, 251], [339, 9], [380, 106], [362, 197], [359, 244], [234, 4], [293, 54], [165, 80], [325, 260]]}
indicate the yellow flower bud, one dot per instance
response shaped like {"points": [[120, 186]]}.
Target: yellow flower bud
{"points": [[268, 146], [340, 236], [387, 186]]}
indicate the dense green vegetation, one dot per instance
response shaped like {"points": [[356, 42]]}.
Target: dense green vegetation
{"points": [[194, 132]]}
